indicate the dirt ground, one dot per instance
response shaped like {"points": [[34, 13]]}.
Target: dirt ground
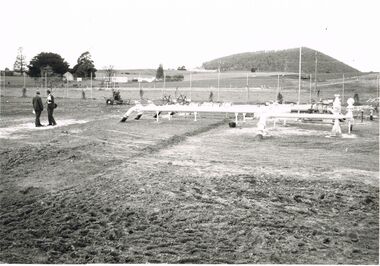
{"points": [[93, 190]]}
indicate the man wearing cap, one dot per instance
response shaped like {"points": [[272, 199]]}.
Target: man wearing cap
{"points": [[50, 108], [38, 107]]}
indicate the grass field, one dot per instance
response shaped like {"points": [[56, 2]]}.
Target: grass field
{"points": [[93, 190], [232, 87]]}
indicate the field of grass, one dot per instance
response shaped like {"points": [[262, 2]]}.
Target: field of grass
{"points": [[262, 87]]}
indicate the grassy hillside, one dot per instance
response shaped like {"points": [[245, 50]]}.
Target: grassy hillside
{"points": [[283, 61]]}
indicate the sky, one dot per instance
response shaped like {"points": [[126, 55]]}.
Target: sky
{"points": [[134, 34]]}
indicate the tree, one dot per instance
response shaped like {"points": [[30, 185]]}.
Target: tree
{"points": [[20, 63], [356, 98], [109, 72], [160, 72], [280, 98], [38, 64], [85, 66]]}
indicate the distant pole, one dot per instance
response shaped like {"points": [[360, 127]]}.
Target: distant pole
{"points": [[45, 79], [23, 73], [343, 90], [278, 85], [139, 81], [311, 77], [114, 75], [164, 85], [67, 87], [91, 83], [299, 79], [247, 88], [218, 85], [190, 84], [1, 83], [315, 72]]}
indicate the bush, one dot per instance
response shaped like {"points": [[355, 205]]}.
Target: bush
{"points": [[174, 78]]}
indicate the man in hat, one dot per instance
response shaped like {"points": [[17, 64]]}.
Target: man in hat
{"points": [[50, 108], [38, 108]]}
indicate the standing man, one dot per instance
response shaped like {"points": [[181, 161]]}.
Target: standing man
{"points": [[50, 108], [38, 108]]}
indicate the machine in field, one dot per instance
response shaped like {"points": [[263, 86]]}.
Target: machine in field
{"points": [[115, 99]]}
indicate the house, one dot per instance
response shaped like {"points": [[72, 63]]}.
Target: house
{"points": [[68, 76]]}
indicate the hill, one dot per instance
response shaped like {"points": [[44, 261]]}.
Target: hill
{"points": [[282, 61]]}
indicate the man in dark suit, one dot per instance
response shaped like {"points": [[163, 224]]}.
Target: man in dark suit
{"points": [[50, 108], [38, 108]]}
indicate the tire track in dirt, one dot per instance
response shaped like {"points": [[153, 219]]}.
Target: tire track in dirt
{"points": [[151, 209]]}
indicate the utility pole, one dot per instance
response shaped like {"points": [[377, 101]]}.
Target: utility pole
{"points": [[299, 79], [311, 77], [218, 81], [67, 87], [190, 84], [278, 85], [45, 79], [91, 83], [343, 89], [114, 75], [1, 84], [247, 89], [23, 73], [316, 71], [139, 81], [162, 92]]}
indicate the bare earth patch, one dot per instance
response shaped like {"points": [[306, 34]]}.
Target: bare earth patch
{"points": [[181, 191]]}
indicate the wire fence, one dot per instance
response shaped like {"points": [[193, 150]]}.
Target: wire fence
{"points": [[230, 87]]}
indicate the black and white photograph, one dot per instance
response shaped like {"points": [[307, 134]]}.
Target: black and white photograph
{"points": [[189, 132]]}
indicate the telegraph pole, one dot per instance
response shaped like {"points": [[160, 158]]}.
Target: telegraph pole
{"points": [[343, 90], [218, 81], [247, 88], [316, 71], [311, 77], [91, 83], [278, 85], [164, 85], [190, 84], [299, 79]]}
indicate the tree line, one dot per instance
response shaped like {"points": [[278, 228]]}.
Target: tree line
{"points": [[52, 64]]}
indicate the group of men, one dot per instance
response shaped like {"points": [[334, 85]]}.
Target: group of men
{"points": [[39, 107]]}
